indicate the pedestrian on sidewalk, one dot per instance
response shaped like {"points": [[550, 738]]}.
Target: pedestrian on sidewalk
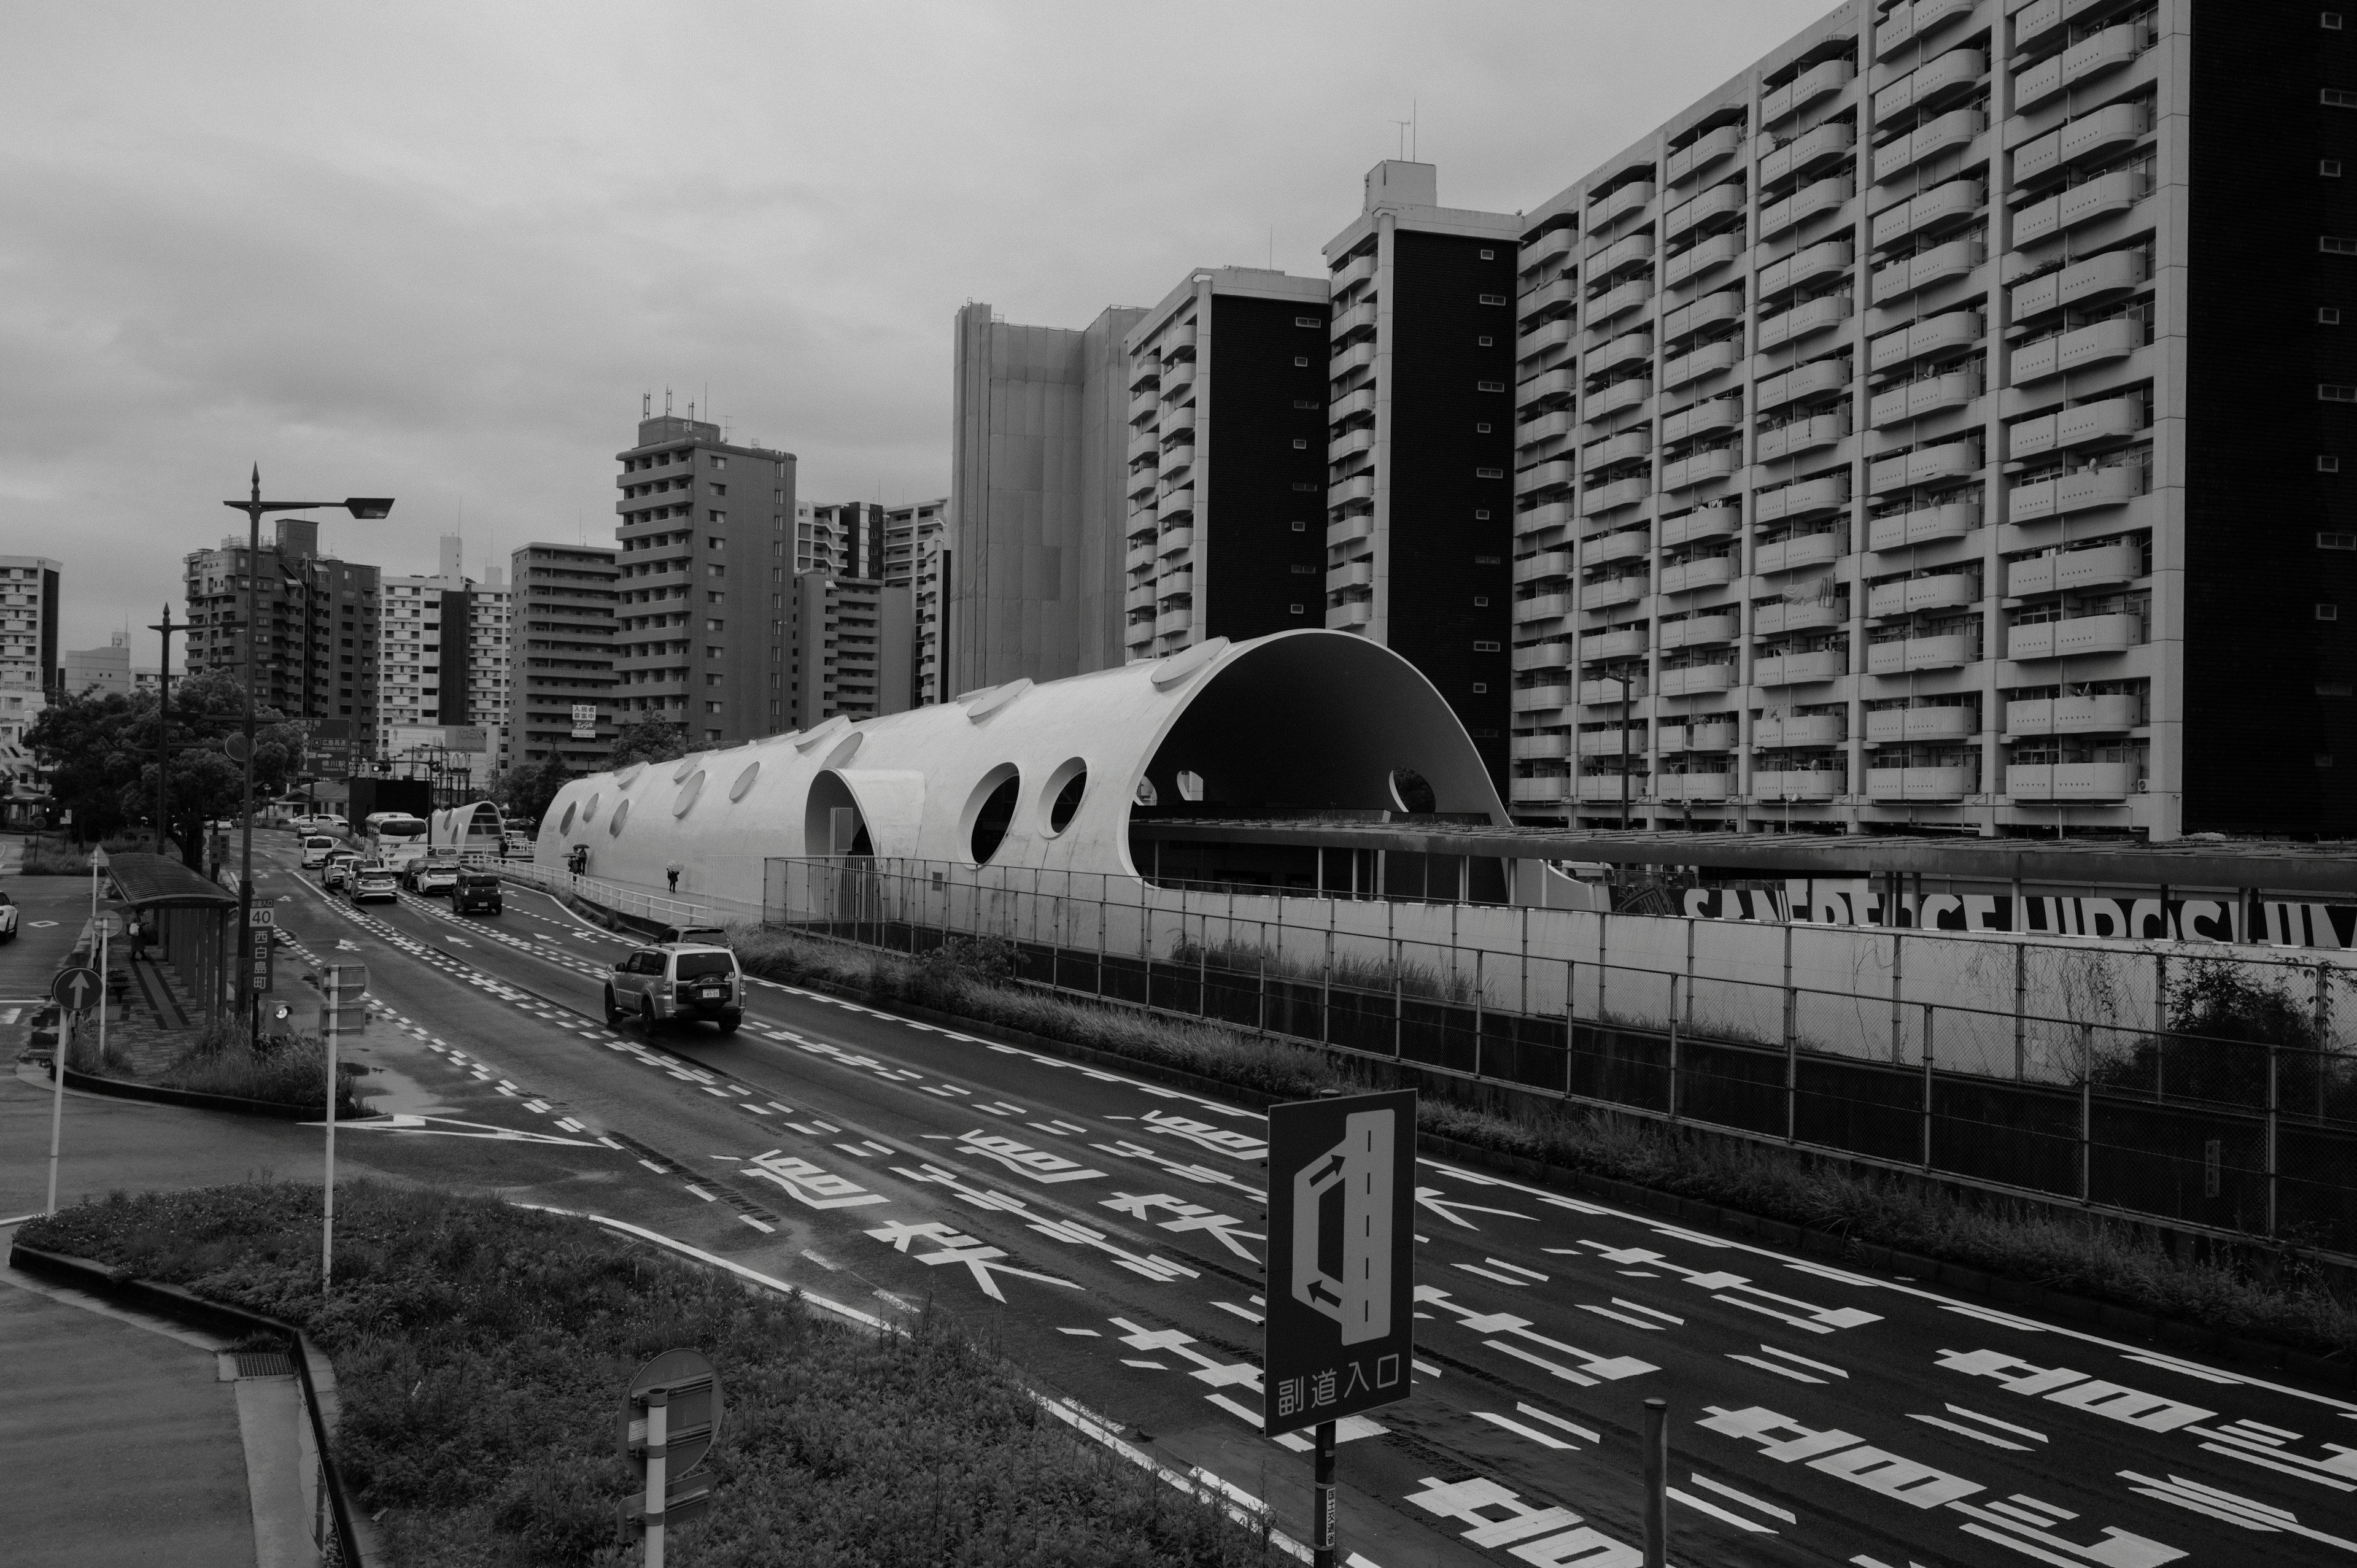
{"points": [[137, 932], [672, 871]]}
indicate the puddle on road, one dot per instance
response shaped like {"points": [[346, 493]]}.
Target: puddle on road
{"points": [[389, 1092]]}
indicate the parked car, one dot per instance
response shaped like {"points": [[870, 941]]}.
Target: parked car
{"points": [[337, 872], [431, 875], [317, 848], [676, 981], [329, 822], [8, 914], [478, 893], [379, 883]]}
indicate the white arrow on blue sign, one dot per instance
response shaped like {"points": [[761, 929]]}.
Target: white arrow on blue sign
{"points": [[76, 989]]}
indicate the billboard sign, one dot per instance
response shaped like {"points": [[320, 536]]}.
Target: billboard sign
{"points": [[585, 721], [1341, 1308]]}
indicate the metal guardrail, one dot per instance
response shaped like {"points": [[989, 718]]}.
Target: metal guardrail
{"points": [[606, 895]]}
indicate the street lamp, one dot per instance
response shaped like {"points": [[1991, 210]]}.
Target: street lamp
{"points": [[253, 506], [164, 726]]}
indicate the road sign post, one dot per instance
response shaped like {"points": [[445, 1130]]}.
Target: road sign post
{"points": [[671, 1415], [75, 991], [1340, 1333], [341, 989], [1657, 1483]]}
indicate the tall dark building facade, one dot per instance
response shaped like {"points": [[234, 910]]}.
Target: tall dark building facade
{"points": [[321, 631], [561, 685]]}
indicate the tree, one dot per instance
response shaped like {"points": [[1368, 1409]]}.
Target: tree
{"points": [[524, 792], [101, 748], [649, 740]]}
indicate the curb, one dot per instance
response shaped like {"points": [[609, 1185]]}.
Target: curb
{"points": [[355, 1538], [190, 1099], [2331, 1371]]}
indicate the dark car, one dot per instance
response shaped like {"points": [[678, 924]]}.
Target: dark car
{"points": [[476, 892]]}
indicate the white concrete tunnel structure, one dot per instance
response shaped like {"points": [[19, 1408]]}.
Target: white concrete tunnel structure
{"points": [[1305, 719]]}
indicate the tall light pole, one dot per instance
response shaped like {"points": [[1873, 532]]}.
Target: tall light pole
{"points": [[163, 728], [361, 507]]}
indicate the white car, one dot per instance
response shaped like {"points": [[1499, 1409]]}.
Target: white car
{"points": [[317, 848], [433, 875], [329, 822]]}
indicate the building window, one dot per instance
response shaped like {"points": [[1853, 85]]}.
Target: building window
{"points": [[2334, 391], [2332, 688], [2336, 98], [1484, 559], [1481, 688], [2336, 541], [1308, 402], [2329, 20], [1301, 360], [1296, 609], [1301, 445], [1482, 602], [2328, 464], [1308, 321], [1305, 571], [1489, 255], [1494, 299], [719, 461], [1500, 473], [1311, 489], [1485, 341], [2328, 316], [1298, 527], [2330, 168], [2328, 612], [1485, 647], [1490, 386], [2334, 245]]}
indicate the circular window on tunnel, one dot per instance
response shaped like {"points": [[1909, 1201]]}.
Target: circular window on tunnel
{"points": [[589, 812], [614, 823], [1062, 795], [1410, 792], [689, 793], [566, 826], [744, 782], [990, 812]]}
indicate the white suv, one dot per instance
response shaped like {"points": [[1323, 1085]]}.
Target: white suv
{"points": [[676, 981]]}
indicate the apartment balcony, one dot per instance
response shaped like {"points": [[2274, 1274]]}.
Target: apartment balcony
{"points": [[2090, 57], [1895, 727], [1547, 791], [1147, 443], [1610, 742], [1796, 730], [1605, 789], [1141, 597], [2071, 638], [1691, 577], [1560, 293], [1616, 494], [1687, 472], [1942, 133], [1914, 595], [1951, 782], [1546, 338], [1532, 434], [1549, 475], [1174, 620], [1350, 615], [1803, 153], [1544, 516], [1357, 526], [1178, 423], [2114, 272], [1709, 359], [1925, 466], [1923, 397], [1812, 200], [1624, 545], [1714, 734], [1951, 73], [1821, 80], [2068, 782], [1692, 787], [1691, 214], [1634, 197], [1626, 251], [2090, 344], [1801, 435], [1818, 379], [1803, 320], [2104, 713], [1711, 310], [2081, 204], [1933, 335], [1769, 786], [1799, 668], [1550, 246], [1614, 449], [1624, 642], [1612, 400], [1539, 747], [1707, 418], [1702, 258], [1612, 591], [1922, 525], [1695, 680], [1628, 349], [1140, 558], [1351, 576], [1357, 488], [1175, 339], [2106, 130], [1617, 302], [2083, 490], [1954, 202], [1540, 699], [1564, 378], [1912, 275], [1808, 615], [2034, 21], [1175, 542], [1944, 650], [2111, 419], [1359, 269], [1179, 503], [1701, 153], [1797, 552], [1808, 497], [1826, 258], [1357, 357], [1349, 443], [1554, 654], [1699, 631], [1904, 24], [2069, 571], [1545, 563], [1540, 609]]}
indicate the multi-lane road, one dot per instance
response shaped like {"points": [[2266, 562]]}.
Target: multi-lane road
{"points": [[1105, 1231]]}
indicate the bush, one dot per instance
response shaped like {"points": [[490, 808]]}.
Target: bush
{"points": [[54, 860], [480, 1354], [2088, 1256], [286, 1069]]}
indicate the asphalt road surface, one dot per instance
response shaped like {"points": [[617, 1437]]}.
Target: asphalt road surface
{"points": [[1106, 1232]]}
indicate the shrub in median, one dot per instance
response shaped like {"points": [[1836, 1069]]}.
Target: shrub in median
{"points": [[482, 1350]]}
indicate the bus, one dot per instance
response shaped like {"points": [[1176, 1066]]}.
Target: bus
{"points": [[472, 829], [394, 838]]}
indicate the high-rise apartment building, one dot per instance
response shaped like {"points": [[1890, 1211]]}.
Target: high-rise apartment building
{"points": [[318, 653], [1224, 534], [707, 548], [446, 657], [561, 663], [107, 672], [1039, 428], [853, 640], [28, 622], [916, 557], [1941, 425], [847, 538]]}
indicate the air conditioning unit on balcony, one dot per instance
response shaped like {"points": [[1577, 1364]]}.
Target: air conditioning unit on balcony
{"points": [[2144, 785]]}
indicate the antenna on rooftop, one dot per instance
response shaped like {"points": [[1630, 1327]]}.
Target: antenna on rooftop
{"points": [[647, 404], [666, 403]]}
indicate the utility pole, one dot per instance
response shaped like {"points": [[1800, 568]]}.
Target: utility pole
{"points": [[164, 728]]}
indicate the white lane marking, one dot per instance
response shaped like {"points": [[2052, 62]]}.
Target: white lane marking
{"points": [[1716, 1512], [1803, 1360], [699, 1192], [1081, 1333], [1962, 1430], [1247, 1314], [1724, 1490], [1992, 1420], [1772, 1367]]}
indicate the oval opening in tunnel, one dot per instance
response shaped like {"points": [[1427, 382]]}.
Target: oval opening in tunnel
{"points": [[990, 812], [1412, 791], [1062, 795], [832, 821]]}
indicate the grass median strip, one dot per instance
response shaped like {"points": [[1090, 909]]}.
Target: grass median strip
{"points": [[481, 1351], [2091, 1256]]}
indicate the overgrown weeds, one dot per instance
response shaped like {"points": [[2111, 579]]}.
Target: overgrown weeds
{"points": [[2088, 1256], [480, 1354], [279, 1069]]}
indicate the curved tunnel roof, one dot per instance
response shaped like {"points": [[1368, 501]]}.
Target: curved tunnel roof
{"points": [[1302, 719]]}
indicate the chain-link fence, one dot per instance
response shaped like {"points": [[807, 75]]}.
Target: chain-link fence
{"points": [[2199, 1088]]}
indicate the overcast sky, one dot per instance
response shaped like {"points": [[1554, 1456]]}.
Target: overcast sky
{"points": [[437, 250]]}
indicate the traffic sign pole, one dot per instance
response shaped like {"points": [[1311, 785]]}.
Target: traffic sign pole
{"points": [[658, 1431], [1321, 1500], [1657, 1483], [74, 991]]}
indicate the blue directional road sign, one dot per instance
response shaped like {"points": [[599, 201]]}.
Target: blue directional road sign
{"points": [[1342, 1307], [78, 989]]}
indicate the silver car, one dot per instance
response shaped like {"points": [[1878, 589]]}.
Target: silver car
{"points": [[676, 981]]}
